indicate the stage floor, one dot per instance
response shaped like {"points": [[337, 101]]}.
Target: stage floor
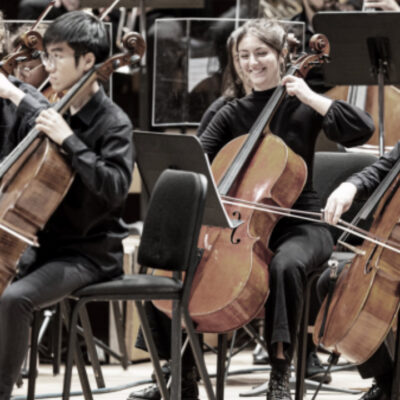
{"points": [[236, 385]]}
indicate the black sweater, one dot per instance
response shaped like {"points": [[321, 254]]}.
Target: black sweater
{"points": [[294, 122]]}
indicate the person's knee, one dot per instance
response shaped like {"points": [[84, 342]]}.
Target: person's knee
{"points": [[284, 269], [12, 304]]}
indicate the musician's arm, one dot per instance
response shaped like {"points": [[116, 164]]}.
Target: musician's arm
{"points": [[370, 177], [347, 125], [9, 91]]}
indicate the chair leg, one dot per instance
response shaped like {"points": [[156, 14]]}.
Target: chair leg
{"points": [[151, 347], [91, 349], [74, 352], [176, 345], [33, 356], [57, 340], [302, 340], [198, 354], [221, 363], [396, 370], [120, 334]]}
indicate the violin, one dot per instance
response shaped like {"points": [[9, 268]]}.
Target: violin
{"points": [[231, 283], [35, 176], [366, 300]]}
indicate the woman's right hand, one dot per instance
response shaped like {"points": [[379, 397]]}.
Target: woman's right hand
{"points": [[339, 201]]}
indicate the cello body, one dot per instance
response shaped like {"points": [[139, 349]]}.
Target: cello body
{"points": [[370, 104], [31, 190], [366, 299], [231, 283]]}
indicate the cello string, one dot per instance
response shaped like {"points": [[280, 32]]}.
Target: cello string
{"points": [[281, 211], [291, 212]]}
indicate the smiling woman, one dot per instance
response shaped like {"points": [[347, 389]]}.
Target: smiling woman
{"points": [[299, 248], [261, 56]]}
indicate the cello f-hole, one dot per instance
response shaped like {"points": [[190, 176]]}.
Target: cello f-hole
{"points": [[235, 241], [368, 267]]}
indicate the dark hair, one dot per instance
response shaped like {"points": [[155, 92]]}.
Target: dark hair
{"points": [[232, 85], [83, 32], [269, 31]]}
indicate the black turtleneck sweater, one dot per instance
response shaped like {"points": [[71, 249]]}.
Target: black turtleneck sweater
{"points": [[294, 122]]}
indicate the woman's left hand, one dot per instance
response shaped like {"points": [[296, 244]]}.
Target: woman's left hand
{"points": [[298, 87]]}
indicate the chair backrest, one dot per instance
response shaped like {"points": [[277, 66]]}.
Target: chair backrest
{"points": [[331, 169], [173, 221]]}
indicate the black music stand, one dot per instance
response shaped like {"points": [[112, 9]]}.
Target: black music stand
{"points": [[147, 3], [364, 51], [159, 151]]}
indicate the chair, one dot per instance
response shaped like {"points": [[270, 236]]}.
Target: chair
{"points": [[169, 242], [60, 316], [330, 169]]}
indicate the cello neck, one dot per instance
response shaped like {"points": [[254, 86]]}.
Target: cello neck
{"points": [[253, 137]]}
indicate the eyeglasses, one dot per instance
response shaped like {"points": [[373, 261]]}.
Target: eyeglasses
{"points": [[51, 60], [25, 70]]}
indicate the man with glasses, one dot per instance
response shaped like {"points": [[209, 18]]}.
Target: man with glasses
{"points": [[81, 243]]}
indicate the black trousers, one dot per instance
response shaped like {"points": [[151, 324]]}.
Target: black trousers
{"points": [[381, 363], [44, 286], [299, 249]]}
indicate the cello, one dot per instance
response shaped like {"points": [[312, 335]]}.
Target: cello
{"points": [[366, 300], [229, 291], [35, 176]]}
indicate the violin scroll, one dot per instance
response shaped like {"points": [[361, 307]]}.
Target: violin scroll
{"points": [[320, 48], [32, 40], [30, 43], [134, 43], [319, 43], [135, 46]]}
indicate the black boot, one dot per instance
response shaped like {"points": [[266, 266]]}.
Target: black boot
{"points": [[375, 392], [278, 387], [315, 371], [190, 391]]}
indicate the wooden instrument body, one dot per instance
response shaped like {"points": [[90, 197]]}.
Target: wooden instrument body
{"points": [[31, 190], [366, 297], [231, 283]]}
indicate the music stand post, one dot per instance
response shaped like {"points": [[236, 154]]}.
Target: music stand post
{"points": [[369, 58], [159, 151]]}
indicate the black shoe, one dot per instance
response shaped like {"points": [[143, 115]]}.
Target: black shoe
{"points": [[374, 393], [315, 371], [278, 386], [190, 391]]}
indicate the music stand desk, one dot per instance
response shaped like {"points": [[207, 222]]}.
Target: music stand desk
{"points": [[159, 151]]}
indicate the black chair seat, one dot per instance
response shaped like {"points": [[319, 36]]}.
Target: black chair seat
{"points": [[131, 285]]}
